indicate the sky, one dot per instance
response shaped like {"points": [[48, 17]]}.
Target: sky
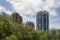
{"points": [[29, 8]]}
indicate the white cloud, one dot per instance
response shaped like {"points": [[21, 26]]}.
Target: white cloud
{"points": [[54, 22], [56, 26], [29, 6], [32, 6], [3, 9]]}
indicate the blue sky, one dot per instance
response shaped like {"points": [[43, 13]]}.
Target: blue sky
{"points": [[6, 4], [29, 8]]}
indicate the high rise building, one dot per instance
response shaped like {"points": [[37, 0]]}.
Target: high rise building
{"points": [[30, 24], [16, 18], [42, 20]]}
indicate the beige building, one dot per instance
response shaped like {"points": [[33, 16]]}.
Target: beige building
{"points": [[16, 18]]}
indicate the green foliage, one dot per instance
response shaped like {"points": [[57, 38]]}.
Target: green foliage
{"points": [[12, 37], [4, 26]]}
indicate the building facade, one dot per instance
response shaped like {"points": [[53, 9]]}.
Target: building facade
{"points": [[16, 18], [30, 24], [42, 20]]}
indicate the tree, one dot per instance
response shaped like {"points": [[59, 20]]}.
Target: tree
{"points": [[12, 37], [4, 26], [25, 33], [42, 34]]}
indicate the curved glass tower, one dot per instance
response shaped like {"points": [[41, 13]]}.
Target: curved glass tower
{"points": [[42, 20]]}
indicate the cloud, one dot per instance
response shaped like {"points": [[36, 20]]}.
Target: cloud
{"points": [[56, 26], [54, 22], [29, 6], [3, 9]]}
